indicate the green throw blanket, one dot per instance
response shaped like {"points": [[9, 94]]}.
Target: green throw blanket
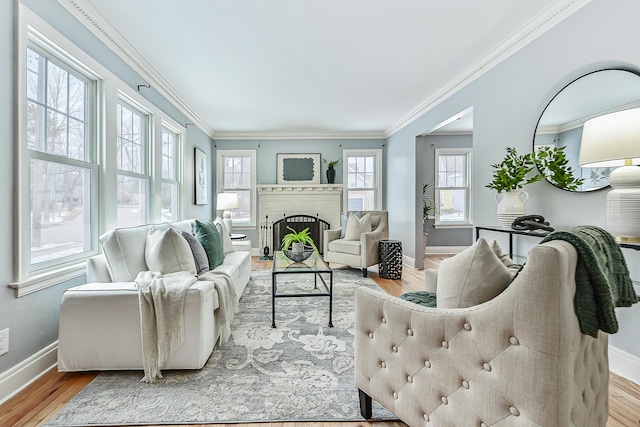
{"points": [[602, 278]]}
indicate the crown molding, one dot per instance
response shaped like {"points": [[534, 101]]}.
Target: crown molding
{"points": [[89, 16], [544, 21], [296, 135]]}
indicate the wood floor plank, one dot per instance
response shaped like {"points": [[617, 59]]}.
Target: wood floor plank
{"points": [[41, 400]]}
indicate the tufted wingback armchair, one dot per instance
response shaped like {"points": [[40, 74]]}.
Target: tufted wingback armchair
{"points": [[516, 360], [357, 253]]}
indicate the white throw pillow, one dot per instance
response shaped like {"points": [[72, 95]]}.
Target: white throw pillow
{"points": [[167, 252], [226, 237], [356, 226], [124, 250], [511, 265], [472, 277]]}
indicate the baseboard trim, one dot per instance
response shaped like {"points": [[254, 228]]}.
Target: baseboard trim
{"points": [[408, 261], [26, 372], [624, 364], [445, 250]]}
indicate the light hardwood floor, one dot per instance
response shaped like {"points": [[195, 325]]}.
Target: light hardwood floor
{"points": [[42, 399]]}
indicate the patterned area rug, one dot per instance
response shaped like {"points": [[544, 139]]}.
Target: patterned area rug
{"points": [[301, 371]]}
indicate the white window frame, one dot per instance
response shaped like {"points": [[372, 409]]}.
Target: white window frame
{"points": [[469, 187], [377, 153], [178, 161], [31, 30], [220, 155]]}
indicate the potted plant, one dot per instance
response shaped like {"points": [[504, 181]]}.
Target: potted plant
{"points": [[429, 208], [331, 172], [297, 240], [517, 170]]}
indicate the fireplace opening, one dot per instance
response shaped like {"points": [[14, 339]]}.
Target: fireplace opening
{"points": [[316, 225]]}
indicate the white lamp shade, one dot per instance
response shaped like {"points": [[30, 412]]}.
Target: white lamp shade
{"points": [[609, 140], [227, 201]]}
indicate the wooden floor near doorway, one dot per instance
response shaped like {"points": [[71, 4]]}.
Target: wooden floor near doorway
{"points": [[39, 401]]}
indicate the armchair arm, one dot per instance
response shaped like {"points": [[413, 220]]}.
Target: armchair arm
{"points": [[369, 242], [430, 279], [329, 236]]}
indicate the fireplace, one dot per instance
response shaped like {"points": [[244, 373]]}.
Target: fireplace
{"points": [[316, 226]]}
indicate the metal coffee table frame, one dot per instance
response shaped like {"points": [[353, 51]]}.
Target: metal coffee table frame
{"points": [[313, 265]]}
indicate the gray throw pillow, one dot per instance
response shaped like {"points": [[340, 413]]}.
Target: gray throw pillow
{"points": [[199, 254]]}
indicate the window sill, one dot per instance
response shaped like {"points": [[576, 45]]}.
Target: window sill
{"points": [[50, 278], [448, 226]]}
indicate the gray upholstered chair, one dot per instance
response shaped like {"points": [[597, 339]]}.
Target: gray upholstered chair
{"points": [[516, 360], [361, 253]]}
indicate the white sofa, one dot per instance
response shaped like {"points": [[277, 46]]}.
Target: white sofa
{"points": [[100, 321]]}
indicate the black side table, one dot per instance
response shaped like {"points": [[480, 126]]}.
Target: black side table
{"points": [[390, 259]]}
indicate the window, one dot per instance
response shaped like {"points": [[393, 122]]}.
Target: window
{"points": [[237, 174], [131, 161], [61, 165], [453, 186], [170, 173], [362, 169]]}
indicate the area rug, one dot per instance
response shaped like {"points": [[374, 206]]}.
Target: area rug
{"points": [[300, 371]]}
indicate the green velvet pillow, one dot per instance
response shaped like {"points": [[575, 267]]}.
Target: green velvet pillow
{"points": [[208, 235]]}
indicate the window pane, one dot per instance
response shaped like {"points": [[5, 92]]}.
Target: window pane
{"points": [[453, 205], [169, 200], [60, 210], [56, 133], [35, 127], [131, 200], [130, 140], [57, 85], [77, 96], [242, 215], [35, 76], [76, 139], [361, 200]]}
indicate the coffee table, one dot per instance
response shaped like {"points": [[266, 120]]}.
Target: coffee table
{"points": [[313, 265]]}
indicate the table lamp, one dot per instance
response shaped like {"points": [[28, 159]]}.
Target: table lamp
{"points": [[225, 202], [613, 140]]}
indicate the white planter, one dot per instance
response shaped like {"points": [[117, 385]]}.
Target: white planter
{"points": [[510, 206]]}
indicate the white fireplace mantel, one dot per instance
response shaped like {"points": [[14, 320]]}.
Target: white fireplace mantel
{"points": [[304, 188]]}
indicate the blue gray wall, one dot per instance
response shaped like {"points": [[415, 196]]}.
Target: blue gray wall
{"points": [[33, 319], [507, 102]]}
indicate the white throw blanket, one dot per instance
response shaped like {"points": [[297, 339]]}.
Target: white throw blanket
{"points": [[162, 299], [228, 301]]}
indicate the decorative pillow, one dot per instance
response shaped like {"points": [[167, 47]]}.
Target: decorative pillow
{"points": [[472, 277], [511, 265], [167, 252], [209, 237], [224, 234], [343, 222], [356, 226], [199, 254], [124, 250]]}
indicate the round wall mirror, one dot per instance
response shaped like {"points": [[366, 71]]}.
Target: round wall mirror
{"points": [[592, 95]]}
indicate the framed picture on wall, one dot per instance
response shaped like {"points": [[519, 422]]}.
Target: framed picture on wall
{"points": [[200, 170], [298, 168]]}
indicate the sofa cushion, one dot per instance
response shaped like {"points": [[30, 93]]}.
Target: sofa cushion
{"points": [[208, 235], [352, 247], [356, 226], [199, 254], [472, 277], [124, 250], [168, 252], [224, 234]]}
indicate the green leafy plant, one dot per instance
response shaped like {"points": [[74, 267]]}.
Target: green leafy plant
{"points": [[331, 163], [298, 237], [516, 170], [429, 206]]}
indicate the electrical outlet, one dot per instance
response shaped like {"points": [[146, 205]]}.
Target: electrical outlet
{"points": [[4, 341]]}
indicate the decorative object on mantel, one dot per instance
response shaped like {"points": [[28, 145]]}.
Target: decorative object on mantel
{"points": [[613, 140], [301, 243], [514, 172], [331, 172], [225, 202], [298, 169]]}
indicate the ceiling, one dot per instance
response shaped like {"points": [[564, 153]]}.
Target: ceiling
{"points": [[305, 67]]}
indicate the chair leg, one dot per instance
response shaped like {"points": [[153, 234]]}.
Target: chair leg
{"points": [[365, 405], [364, 272]]}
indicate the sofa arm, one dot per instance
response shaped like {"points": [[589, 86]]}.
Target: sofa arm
{"points": [[430, 279], [97, 270]]}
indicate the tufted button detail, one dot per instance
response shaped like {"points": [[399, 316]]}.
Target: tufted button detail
{"points": [[384, 320], [514, 411], [445, 344], [467, 327], [395, 395], [483, 425], [410, 332], [383, 364], [370, 334], [394, 349], [445, 400], [465, 384], [514, 341], [427, 363], [486, 367], [426, 417]]}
